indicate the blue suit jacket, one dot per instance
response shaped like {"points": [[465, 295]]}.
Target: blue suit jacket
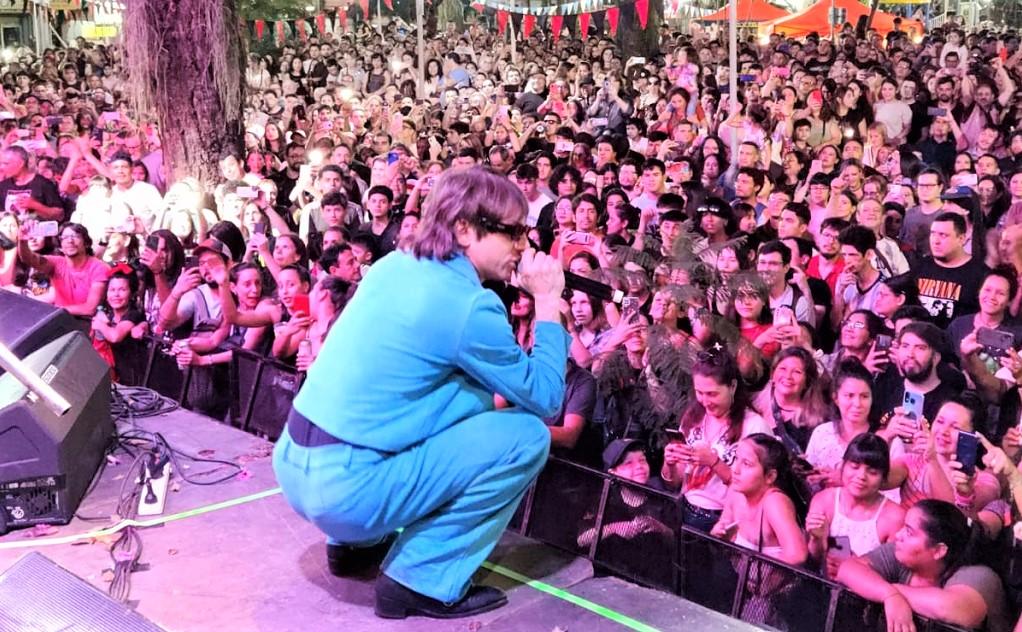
{"points": [[421, 346]]}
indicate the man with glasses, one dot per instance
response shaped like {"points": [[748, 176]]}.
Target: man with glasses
{"points": [[77, 277], [439, 462], [915, 229]]}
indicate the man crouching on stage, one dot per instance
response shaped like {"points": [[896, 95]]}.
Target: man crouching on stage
{"points": [[395, 426]]}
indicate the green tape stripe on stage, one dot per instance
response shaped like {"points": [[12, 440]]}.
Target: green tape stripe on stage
{"points": [[553, 591], [573, 599]]}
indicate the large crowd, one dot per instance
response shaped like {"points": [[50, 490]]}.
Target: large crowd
{"points": [[816, 347]]}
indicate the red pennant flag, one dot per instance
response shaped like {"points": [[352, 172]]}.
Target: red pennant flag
{"points": [[556, 23], [583, 25], [279, 27], [389, 3], [642, 10], [613, 14], [300, 27], [260, 26], [502, 17], [365, 8], [321, 23], [528, 23], [342, 17]]}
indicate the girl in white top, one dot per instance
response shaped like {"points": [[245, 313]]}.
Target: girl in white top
{"points": [[699, 461], [856, 510], [853, 394], [760, 509]]}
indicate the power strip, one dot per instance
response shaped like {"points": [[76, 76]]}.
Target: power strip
{"points": [[159, 486]]}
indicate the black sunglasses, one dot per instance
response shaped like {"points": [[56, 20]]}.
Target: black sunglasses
{"points": [[514, 231]]}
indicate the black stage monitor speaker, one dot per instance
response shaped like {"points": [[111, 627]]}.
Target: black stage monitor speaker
{"points": [[37, 594], [29, 324], [47, 461]]}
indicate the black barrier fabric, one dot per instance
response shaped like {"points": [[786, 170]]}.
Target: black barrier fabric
{"points": [[164, 376], [710, 571], [623, 528], [639, 535], [245, 368], [855, 614], [277, 386], [779, 597], [565, 507]]}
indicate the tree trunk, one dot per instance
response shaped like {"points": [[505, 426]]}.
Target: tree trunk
{"points": [[635, 41], [184, 59]]}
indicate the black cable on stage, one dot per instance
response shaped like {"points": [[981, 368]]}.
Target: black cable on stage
{"points": [[147, 450]]}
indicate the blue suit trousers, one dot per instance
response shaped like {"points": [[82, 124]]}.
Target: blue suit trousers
{"points": [[453, 494]]}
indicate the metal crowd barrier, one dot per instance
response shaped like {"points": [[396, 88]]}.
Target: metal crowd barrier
{"points": [[622, 528], [255, 391], [636, 532]]}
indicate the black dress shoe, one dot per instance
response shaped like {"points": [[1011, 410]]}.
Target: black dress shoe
{"points": [[394, 601], [345, 560]]}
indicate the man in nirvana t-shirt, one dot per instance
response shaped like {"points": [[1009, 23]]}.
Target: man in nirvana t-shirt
{"points": [[949, 280]]}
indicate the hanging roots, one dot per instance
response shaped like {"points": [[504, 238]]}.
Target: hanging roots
{"points": [[149, 25]]}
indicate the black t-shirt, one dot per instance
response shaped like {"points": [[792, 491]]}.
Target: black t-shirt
{"points": [[285, 185], [949, 292], [317, 74], [38, 188], [579, 399], [889, 390], [386, 242], [939, 154]]}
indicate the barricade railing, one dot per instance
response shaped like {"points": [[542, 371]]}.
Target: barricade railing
{"points": [[636, 532], [623, 528], [252, 392]]}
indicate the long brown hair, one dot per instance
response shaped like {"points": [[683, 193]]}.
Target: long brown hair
{"points": [[722, 369]]}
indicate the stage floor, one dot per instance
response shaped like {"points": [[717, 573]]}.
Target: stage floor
{"points": [[257, 566]]}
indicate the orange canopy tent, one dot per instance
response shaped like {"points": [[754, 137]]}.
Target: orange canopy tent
{"points": [[817, 18], [748, 11]]}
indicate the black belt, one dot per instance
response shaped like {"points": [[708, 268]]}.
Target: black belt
{"points": [[307, 434], [701, 511]]}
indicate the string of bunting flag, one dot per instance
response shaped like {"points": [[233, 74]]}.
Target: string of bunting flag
{"points": [[528, 9], [531, 9]]}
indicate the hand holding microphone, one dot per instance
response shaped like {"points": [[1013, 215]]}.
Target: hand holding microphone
{"points": [[541, 275]]}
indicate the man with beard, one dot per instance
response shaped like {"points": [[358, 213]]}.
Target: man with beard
{"points": [[917, 367], [828, 264], [628, 178], [195, 299], [949, 280]]}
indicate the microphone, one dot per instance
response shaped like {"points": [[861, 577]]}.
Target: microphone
{"points": [[593, 288]]}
